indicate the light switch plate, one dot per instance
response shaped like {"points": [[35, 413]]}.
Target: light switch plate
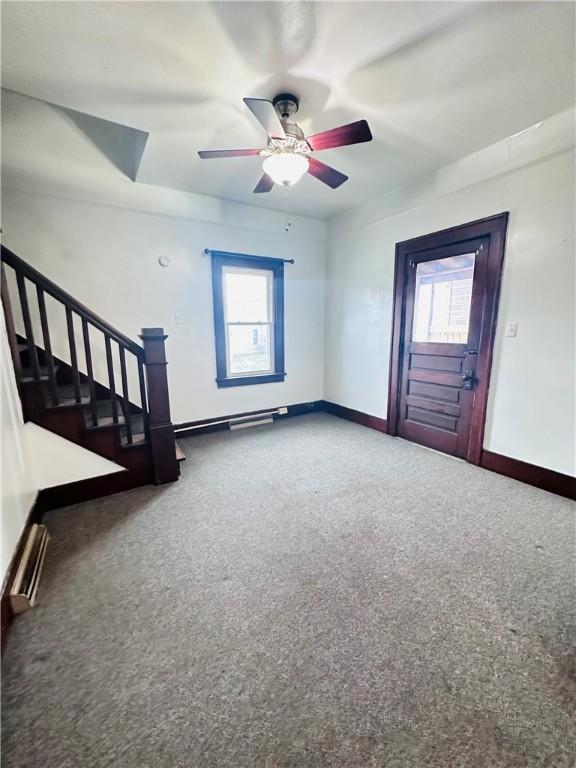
{"points": [[511, 329]]}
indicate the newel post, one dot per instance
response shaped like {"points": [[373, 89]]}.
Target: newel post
{"points": [[162, 438]]}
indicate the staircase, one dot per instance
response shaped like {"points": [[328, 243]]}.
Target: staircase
{"points": [[102, 390]]}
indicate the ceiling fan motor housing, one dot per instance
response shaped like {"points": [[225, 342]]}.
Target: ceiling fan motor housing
{"points": [[286, 105]]}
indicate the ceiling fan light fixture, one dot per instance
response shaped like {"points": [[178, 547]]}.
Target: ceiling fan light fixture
{"points": [[286, 168]]}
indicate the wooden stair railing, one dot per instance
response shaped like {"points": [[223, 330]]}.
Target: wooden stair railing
{"points": [[140, 420]]}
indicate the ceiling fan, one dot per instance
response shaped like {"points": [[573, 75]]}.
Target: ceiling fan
{"points": [[287, 156]]}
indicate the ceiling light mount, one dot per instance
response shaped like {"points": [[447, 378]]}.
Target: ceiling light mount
{"points": [[286, 104]]}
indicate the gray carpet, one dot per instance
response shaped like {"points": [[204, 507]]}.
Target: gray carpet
{"points": [[310, 593]]}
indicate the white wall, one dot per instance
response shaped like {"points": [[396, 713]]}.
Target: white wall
{"points": [[531, 401], [107, 257], [58, 461], [19, 488]]}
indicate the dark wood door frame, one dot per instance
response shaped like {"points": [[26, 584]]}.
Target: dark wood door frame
{"points": [[494, 228]]}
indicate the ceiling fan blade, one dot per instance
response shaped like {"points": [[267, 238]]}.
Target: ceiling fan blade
{"points": [[267, 116], [325, 173], [265, 184], [209, 154], [353, 133]]}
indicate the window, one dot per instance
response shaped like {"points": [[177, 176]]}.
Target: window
{"points": [[248, 296], [443, 299]]}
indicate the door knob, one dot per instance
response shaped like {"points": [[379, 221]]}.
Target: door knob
{"points": [[469, 379]]}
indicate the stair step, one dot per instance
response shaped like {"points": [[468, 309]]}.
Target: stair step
{"points": [[103, 421], [28, 379], [68, 402], [138, 438], [107, 421], [68, 391], [136, 422], [104, 408], [28, 372]]}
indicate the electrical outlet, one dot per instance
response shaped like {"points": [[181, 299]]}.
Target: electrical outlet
{"points": [[178, 318], [511, 329], [283, 411]]}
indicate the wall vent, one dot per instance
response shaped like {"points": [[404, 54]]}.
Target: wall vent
{"points": [[25, 585]]}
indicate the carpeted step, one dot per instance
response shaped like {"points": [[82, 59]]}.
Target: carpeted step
{"points": [[28, 374]]}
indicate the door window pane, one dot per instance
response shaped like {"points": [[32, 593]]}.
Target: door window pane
{"points": [[442, 299], [249, 349], [247, 295]]}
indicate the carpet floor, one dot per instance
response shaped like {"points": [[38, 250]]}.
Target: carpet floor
{"points": [[310, 594]]}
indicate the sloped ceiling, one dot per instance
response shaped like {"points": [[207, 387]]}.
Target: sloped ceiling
{"points": [[436, 81]]}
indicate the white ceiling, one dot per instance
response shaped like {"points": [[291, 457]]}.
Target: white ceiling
{"points": [[436, 81]]}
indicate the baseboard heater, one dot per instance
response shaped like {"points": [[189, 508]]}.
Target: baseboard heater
{"points": [[252, 421], [241, 422], [25, 585]]}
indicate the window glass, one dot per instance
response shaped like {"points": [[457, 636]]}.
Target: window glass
{"points": [[249, 349], [248, 318], [247, 295], [442, 299]]}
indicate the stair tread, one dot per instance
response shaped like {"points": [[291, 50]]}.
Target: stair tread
{"points": [[67, 402], [28, 379], [67, 390], [28, 371], [138, 438], [104, 421]]}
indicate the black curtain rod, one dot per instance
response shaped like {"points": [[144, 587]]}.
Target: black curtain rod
{"points": [[208, 252]]}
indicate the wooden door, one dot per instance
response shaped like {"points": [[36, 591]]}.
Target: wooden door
{"points": [[443, 344]]}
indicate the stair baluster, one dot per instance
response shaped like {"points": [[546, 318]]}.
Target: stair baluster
{"points": [[111, 382], [142, 382], [32, 351], [125, 400], [90, 372], [47, 345], [73, 355]]}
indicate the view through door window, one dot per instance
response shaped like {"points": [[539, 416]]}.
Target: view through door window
{"points": [[442, 299]]}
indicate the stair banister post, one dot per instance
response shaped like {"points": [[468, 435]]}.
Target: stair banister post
{"points": [[162, 439]]}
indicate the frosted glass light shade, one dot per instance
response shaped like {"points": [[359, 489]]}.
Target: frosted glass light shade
{"points": [[286, 168]]}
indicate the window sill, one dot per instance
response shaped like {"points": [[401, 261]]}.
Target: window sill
{"points": [[241, 381]]}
